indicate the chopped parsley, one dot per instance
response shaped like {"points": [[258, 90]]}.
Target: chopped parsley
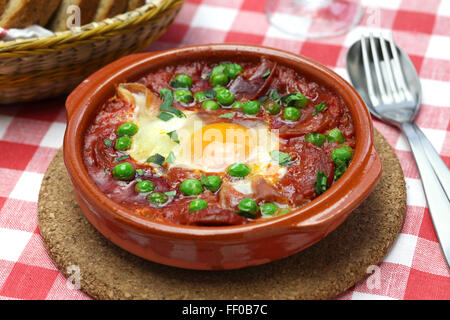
{"points": [[156, 159], [319, 108], [107, 143], [118, 159], [321, 184], [282, 158], [263, 99], [170, 158], [174, 136], [172, 193], [227, 115], [274, 95], [140, 172], [210, 93], [266, 74], [340, 169], [295, 99], [167, 96], [165, 116]]}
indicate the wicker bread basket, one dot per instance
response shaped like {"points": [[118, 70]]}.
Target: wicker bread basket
{"points": [[40, 68]]}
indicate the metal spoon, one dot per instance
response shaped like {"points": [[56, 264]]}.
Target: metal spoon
{"points": [[388, 82]]}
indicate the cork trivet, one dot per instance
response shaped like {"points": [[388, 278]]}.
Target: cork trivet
{"points": [[322, 271]]}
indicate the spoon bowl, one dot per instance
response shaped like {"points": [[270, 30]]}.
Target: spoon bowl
{"points": [[385, 112]]}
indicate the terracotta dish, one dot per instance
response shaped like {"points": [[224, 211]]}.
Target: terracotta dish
{"points": [[216, 247]]}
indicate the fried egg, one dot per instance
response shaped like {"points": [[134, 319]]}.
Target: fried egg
{"points": [[196, 145]]}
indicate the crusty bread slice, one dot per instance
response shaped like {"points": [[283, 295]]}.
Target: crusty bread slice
{"points": [[48, 10], [2, 6], [21, 13], [87, 10], [110, 8], [134, 4]]}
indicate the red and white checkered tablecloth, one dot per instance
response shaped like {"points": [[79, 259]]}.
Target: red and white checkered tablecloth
{"points": [[31, 134]]}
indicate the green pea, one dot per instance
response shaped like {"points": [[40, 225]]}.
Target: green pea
{"points": [[210, 105], [238, 170], [200, 96], [341, 155], [183, 96], [124, 171], [191, 187], [218, 79], [218, 88], [335, 135], [251, 107], [272, 107], [144, 186], [198, 204], [123, 143], [212, 183], [316, 139], [127, 129], [269, 209], [225, 97], [182, 81], [248, 206], [218, 69], [232, 70], [291, 113], [237, 105], [157, 198]]}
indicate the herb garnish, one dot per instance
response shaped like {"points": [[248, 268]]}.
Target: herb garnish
{"points": [[107, 143], [170, 158], [118, 159], [227, 115], [295, 99], [165, 116], [274, 95], [283, 158], [263, 99], [178, 84], [210, 93], [266, 74], [340, 169], [167, 96], [156, 159], [174, 136], [321, 184], [319, 108]]}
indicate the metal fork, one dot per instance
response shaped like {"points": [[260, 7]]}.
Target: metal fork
{"points": [[392, 101]]}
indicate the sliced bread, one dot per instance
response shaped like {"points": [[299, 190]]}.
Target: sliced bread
{"points": [[21, 13], [2, 6], [134, 4], [87, 11], [48, 10], [110, 8]]}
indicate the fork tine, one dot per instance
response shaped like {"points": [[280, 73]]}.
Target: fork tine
{"points": [[391, 86], [398, 71], [368, 73], [376, 63]]}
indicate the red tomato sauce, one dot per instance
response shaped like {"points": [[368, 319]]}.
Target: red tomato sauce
{"points": [[295, 189]]}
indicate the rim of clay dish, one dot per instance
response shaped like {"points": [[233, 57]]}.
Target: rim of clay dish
{"points": [[345, 195]]}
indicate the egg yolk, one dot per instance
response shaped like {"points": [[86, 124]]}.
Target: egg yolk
{"points": [[220, 144]]}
